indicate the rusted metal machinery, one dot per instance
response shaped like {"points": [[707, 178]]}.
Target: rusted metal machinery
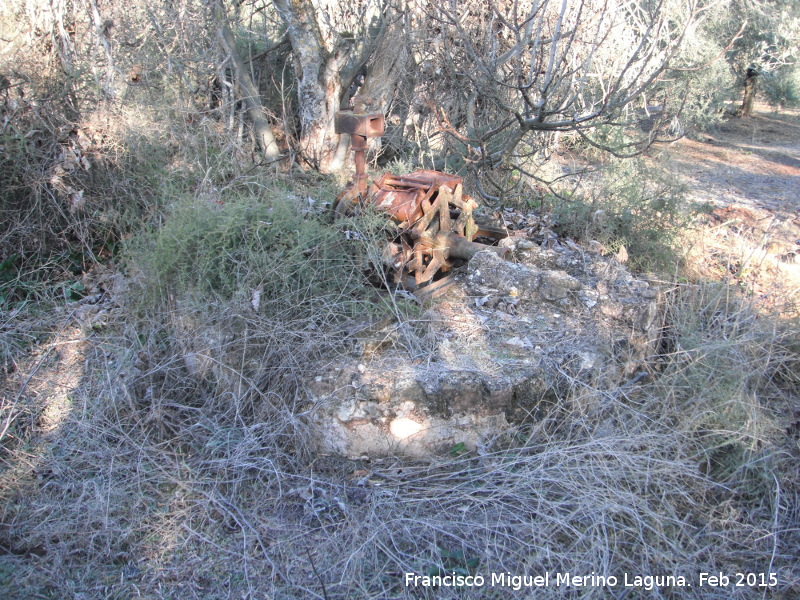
{"points": [[434, 217], [360, 126]]}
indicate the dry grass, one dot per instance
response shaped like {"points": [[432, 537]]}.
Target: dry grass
{"points": [[753, 250], [167, 482]]}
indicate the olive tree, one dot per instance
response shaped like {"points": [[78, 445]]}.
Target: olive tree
{"points": [[497, 78], [332, 43], [767, 43], [507, 76]]}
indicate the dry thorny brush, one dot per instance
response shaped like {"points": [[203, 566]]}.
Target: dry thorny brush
{"points": [[183, 466]]}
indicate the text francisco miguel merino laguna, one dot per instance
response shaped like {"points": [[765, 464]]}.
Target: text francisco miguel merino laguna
{"points": [[517, 582]]}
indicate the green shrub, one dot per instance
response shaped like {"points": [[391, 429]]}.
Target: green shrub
{"points": [[709, 82], [235, 299], [782, 87], [253, 240], [638, 205]]}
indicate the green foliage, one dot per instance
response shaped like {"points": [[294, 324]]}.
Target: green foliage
{"points": [[769, 39], [248, 243], [605, 136], [709, 93], [737, 36], [638, 205], [400, 166], [782, 87]]}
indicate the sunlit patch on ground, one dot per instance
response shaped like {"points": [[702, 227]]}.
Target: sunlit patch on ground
{"points": [[55, 385], [748, 174]]}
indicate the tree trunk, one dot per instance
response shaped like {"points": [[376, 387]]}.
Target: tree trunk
{"points": [[250, 96], [390, 63], [325, 66], [749, 93], [101, 30], [318, 85]]}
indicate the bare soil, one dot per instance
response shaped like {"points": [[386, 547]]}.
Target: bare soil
{"points": [[748, 174]]}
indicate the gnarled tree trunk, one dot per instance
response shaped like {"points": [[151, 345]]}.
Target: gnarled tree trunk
{"points": [[389, 66], [749, 93], [317, 78], [326, 63]]}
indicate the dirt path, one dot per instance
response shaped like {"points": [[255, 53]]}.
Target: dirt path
{"points": [[754, 163], [748, 173]]}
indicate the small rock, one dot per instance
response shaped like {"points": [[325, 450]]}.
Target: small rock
{"points": [[588, 298], [479, 302], [555, 285], [517, 342], [596, 247]]}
